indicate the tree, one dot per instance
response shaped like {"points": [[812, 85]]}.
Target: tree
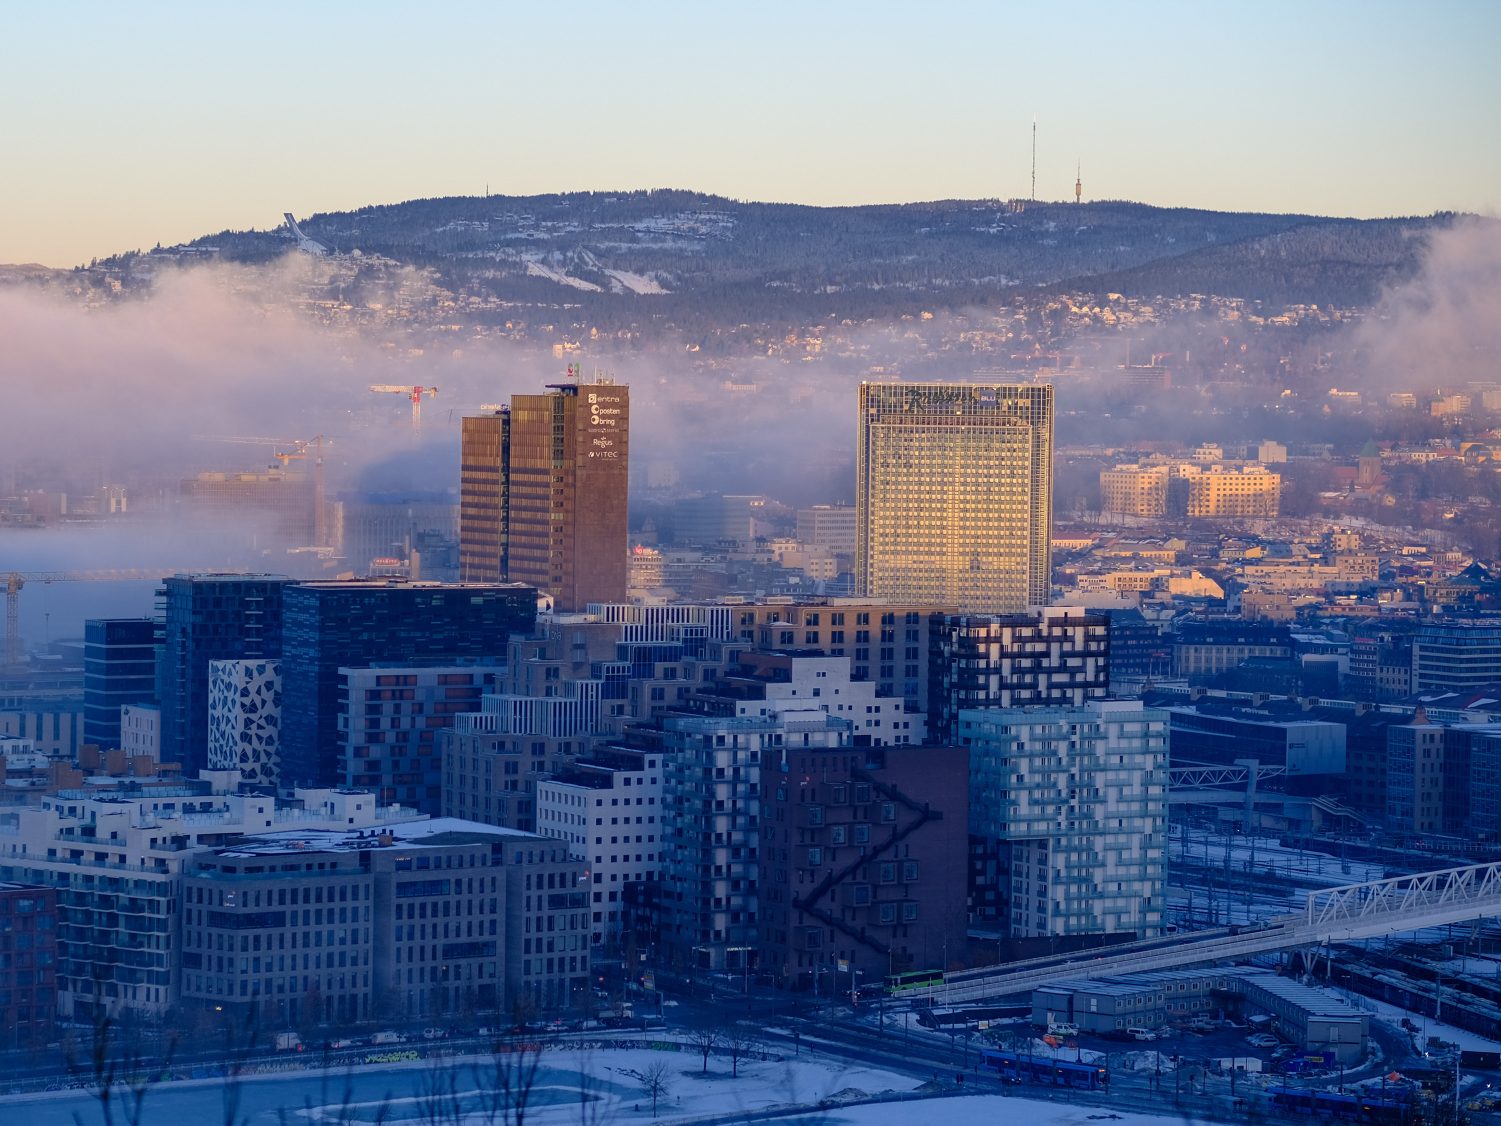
{"points": [[705, 1040], [239, 1045], [117, 1070], [438, 1102], [656, 1082], [507, 1083], [741, 1042]]}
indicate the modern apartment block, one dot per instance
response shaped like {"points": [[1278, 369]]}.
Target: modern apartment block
{"points": [[769, 682], [422, 919], [573, 683], [954, 490], [117, 856], [609, 809], [543, 493], [1456, 656], [1070, 805], [860, 848], [389, 721], [712, 857], [1135, 490], [1057, 657], [119, 667], [141, 731], [333, 625], [28, 965], [1226, 492], [1195, 491], [209, 617]]}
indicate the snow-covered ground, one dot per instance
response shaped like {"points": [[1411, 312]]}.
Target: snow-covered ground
{"points": [[988, 1110], [537, 269], [1427, 1026], [636, 283]]}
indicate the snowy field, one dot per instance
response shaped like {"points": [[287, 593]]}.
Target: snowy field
{"points": [[993, 1110], [597, 1088]]}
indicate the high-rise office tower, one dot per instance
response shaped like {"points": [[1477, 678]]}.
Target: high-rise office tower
{"points": [[330, 626], [208, 617], [119, 667], [955, 494], [543, 490]]}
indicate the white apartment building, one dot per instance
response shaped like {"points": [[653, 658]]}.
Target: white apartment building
{"points": [[609, 810], [141, 730], [770, 684], [1076, 801], [118, 860]]}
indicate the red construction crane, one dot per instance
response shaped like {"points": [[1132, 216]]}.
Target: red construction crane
{"points": [[415, 393]]}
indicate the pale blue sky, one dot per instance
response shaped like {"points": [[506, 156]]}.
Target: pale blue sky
{"points": [[128, 124]]}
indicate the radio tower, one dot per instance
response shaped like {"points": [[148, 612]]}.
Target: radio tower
{"points": [[1033, 196], [1079, 183]]}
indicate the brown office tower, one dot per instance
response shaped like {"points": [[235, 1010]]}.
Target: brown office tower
{"points": [[543, 494]]}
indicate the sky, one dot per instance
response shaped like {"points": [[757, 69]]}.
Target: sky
{"points": [[131, 124]]}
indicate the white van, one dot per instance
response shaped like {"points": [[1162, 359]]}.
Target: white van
{"points": [[1141, 1034]]}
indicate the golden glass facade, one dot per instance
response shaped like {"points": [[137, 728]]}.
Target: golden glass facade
{"points": [[482, 497], [955, 494]]}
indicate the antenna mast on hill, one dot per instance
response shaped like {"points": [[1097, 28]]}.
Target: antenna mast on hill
{"points": [[1033, 196], [1079, 183]]}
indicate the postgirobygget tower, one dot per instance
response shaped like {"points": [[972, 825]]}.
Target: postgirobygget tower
{"points": [[954, 492], [543, 494]]}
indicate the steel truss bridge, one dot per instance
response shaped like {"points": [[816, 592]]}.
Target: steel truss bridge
{"points": [[1338, 914]]}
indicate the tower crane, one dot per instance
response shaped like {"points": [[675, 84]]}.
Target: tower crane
{"points": [[415, 393], [15, 580]]}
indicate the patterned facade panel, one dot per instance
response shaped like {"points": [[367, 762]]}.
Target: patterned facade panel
{"points": [[245, 719]]}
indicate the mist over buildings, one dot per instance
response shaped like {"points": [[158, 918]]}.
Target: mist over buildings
{"points": [[1442, 327], [148, 389]]}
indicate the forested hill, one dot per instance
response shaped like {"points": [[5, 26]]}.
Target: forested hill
{"points": [[677, 250]]}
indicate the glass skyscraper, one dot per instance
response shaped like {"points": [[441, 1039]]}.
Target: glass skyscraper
{"points": [[208, 617], [363, 624], [955, 494]]}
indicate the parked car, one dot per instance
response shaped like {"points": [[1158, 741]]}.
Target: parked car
{"points": [[435, 1033]]}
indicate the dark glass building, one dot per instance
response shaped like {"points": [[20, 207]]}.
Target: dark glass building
{"points": [[365, 623], [208, 617], [119, 667]]}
